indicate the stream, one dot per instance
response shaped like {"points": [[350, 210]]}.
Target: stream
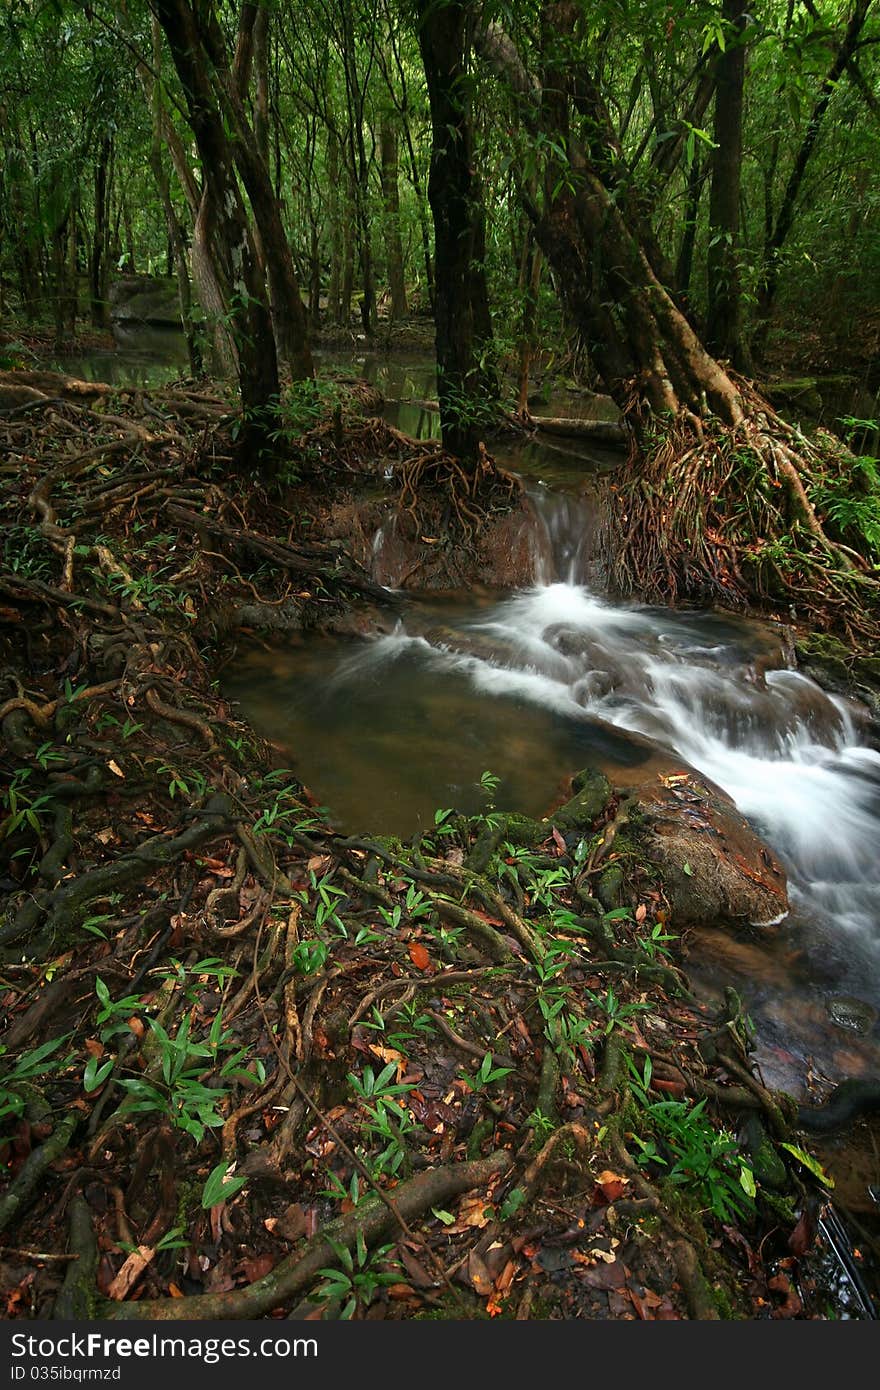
{"points": [[536, 684]]}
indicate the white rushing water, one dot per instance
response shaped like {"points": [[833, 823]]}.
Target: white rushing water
{"points": [[716, 692]]}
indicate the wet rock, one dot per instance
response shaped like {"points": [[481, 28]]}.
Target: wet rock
{"points": [[851, 1013], [398, 553], [145, 299], [592, 791], [715, 868]]}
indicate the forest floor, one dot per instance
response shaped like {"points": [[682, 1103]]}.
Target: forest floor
{"points": [[255, 1067]]}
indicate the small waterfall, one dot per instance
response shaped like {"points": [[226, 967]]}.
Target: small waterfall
{"points": [[561, 537], [717, 692], [564, 539]]}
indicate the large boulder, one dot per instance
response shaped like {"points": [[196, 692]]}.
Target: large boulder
{"points": [[716, 869], [145, 299]]}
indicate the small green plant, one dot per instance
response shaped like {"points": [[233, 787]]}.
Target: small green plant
{"points": [[359, 1279], [23, 809], [691, 1153], [310, 956], [179, 1091], [16, 1081], [113, 1015], [515, 1198], [369, 1087], [486, 1073], [191, 978], [616, 1012], [655, 944], [221, 1184], [194, 785], [285, 815], [542, 1125], [326, 907]]}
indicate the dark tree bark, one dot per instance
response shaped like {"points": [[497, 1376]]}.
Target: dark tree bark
{"points": [[724, 317], [101, 236], [637, 336], [685, 263], [391, 200], [288, 311], [177, 247], [467, 387], [232, 239]]}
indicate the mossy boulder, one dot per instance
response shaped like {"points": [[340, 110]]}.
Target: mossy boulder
{"points": [[145, 299], [592, 792], [831, 664]]}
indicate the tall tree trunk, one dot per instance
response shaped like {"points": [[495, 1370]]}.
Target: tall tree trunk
{"points": [[529, 286], [98, 258], [465, 385], [391, 199], [724, 317], [59, 281], [685, 263], [71, 296], [335, 229], [231, 85], [177, 249], [207, 272], [347, 287], [251, 322]]}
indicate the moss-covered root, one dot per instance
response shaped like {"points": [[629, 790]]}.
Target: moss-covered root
{"points": [[695, 1285], [371, 1220], [35, 1165], [76, 1299]]}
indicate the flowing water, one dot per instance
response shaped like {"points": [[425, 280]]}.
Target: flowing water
{"points": [[536, 684]]}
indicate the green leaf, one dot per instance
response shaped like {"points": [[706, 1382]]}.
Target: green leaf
{"points": [[810, 1163], [747, 1181], [220, 1185], [95, 1075], [687, 869], [445, 1216]]}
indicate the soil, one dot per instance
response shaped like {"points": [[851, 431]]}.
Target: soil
{"points": [[233, 1035]]}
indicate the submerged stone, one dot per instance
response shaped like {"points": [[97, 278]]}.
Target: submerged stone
{"points": [[851, 1013]]}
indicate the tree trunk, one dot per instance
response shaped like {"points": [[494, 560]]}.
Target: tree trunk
{"points": [[391, 199], [335, 230], [685, 264], [347, 287], [466, 390], [724, 318], [98, 258], [288, 311], [715, 488], [251, 322], [177, 249]]}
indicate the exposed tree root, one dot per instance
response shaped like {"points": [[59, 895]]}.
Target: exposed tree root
{"points": [[32, 1173], [710, 512], [370, 1221]]}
